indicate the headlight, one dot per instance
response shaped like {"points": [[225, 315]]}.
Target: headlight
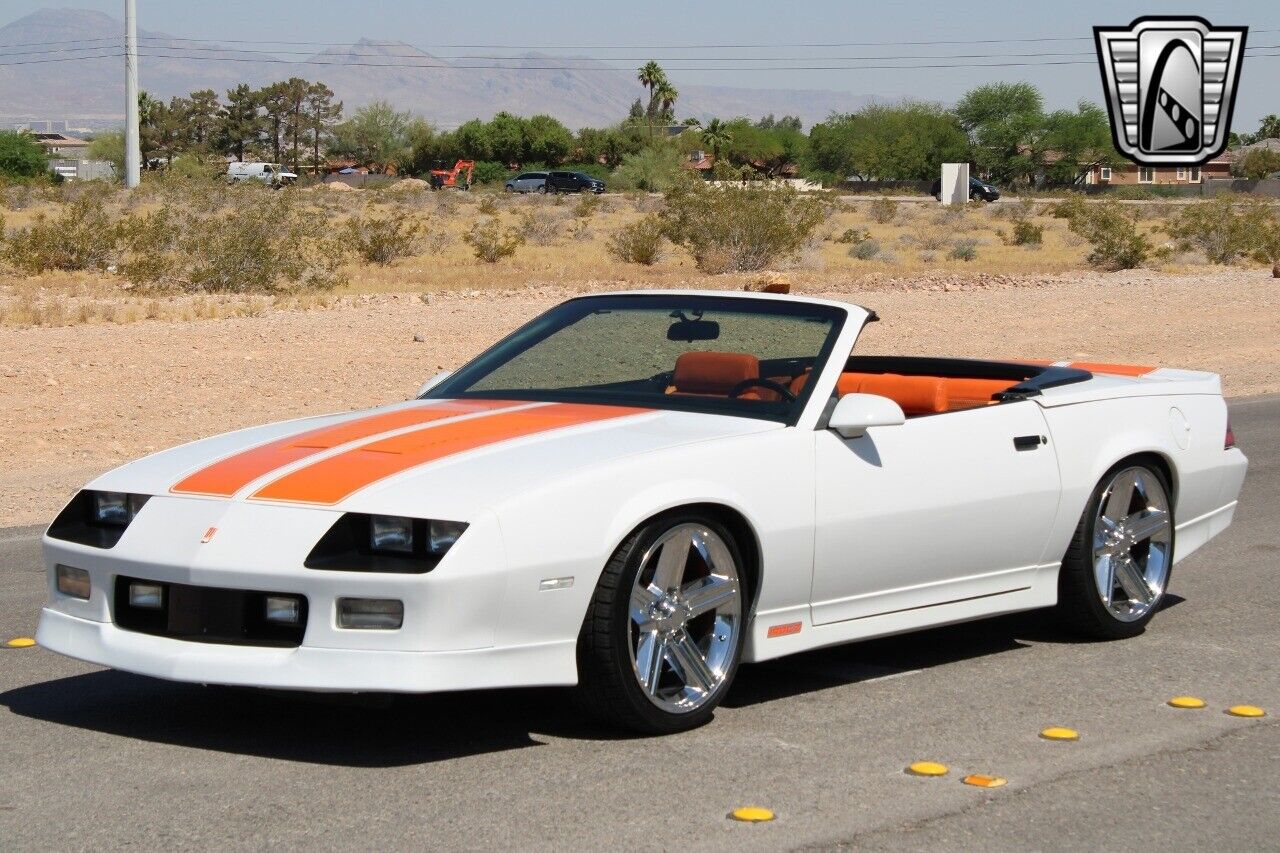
{"points": [[97, 518], [384, 543]]}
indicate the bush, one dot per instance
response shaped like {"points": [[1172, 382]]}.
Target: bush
{"points": [[588, 204], [491, 242], [883, 210], [489, 172], [21, 156], [650, 170], [380, 240], [1220, 228], [84, 237], [267, 243], [853, 235], [739, 229], [639, 242], [864, 250], [1026, 233], [488, 206], [1117, 244], [1070, 207], [964, 250], [1259, 164]]}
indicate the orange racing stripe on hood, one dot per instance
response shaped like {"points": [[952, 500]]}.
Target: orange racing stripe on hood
{"points": [[1114, 369], [330, 480], [227, 476]]}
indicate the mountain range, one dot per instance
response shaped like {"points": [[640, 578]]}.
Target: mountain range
{"points": [[580, 92]]}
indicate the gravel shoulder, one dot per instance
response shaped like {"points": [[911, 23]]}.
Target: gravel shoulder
{"points": [[79, 400]]}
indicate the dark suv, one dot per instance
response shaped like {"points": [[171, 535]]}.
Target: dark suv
{"points": [[573, 182], [977, 190]]}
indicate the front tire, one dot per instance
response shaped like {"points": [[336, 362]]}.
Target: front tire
{"points": [[664, 632], [1116, 570]]}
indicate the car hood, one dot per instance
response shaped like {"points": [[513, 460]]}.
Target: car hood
{"points": [[423, 456]]}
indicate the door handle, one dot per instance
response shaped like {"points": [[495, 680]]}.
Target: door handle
{"points": [[1029, 442]]}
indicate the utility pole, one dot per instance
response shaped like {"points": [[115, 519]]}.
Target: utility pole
{"points": [[132, 144]]}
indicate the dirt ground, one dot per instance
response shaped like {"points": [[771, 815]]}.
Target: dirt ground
{"points": [[77, 400]]}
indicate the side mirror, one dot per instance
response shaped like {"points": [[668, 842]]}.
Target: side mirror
{"points": [[434, 381], [854, 414]]}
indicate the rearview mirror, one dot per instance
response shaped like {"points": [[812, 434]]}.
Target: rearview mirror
{"points": [[854, 414], [693, 330], [434, 381]]}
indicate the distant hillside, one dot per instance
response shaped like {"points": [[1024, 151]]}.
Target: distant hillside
{"points": [[444, 94]]}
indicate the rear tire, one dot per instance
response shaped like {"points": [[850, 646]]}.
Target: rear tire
{"points": [[1117, 568], [671, 603]]}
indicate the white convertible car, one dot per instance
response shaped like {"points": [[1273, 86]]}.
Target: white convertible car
{"points": [[635, 493]]}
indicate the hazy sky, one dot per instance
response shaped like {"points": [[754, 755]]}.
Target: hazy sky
{"points": [[603, 29]]}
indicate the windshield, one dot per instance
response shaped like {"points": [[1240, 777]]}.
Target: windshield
{"points": [[712, 354]]}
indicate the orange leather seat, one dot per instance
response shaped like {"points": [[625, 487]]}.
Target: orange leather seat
{"points": [[713, 374], [971, 393], [918, 395]]}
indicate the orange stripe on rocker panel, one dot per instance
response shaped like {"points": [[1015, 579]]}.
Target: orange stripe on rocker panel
{"points": [[1113, 369], [328, 481], [228, 476]]}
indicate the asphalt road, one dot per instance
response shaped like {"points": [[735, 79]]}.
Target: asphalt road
{"points": [[91, 758]]}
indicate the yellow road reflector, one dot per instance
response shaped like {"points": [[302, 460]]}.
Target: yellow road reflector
{"points": [[1060, 733], [927, 768], [21, 643], [981, 780], [1186, 702], [751, 814], [1246, 711]]}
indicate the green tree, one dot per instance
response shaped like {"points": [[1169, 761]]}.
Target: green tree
{"points": [[148, 133], [202, 116], [21, 156], [1258, 164], [667, 96], [472, 140], [715, 134], [239, 122], [274, 100], [322, 112], [906, 141], [546, 140], [376, 136], [506, 137], [1077, 142], [293, 93], [1006, 124], [109, 146]]}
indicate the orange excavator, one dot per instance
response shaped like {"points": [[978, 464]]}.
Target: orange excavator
{"points": [[459, 176]]}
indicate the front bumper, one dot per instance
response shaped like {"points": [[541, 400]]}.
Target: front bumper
{"points": [[306, 668]]}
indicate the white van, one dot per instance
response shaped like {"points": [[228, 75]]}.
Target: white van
{"points": [[269, 173]]}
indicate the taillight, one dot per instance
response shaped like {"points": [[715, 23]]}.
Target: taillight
{"points": [[1230, 441]]}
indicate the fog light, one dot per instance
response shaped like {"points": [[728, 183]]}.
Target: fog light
{"points": [[148, 596], [283, 609], [73, 582], [377, 613]]}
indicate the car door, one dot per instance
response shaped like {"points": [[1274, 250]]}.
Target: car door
{"points": [[939, 509]]}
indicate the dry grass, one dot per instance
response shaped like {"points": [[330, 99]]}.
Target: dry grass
{"points": [[566, 244]]}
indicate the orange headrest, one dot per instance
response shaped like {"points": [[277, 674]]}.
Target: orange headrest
{"points": [[713, 372], [917, 395]]}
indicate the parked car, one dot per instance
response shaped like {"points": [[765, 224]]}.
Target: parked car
{"points": [[528, 182], [271, 174], [977, 190], [573, 182], [637, 492]]}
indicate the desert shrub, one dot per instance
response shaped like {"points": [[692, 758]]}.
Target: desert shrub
{"points": [[491, 242], [853, 235], [1069, 208], [1117, 243], [21, 156], [1221, 228], [638, 242], [1264, 227], [539, 227], [1026, 233], [490, 172], [932, 240], [488, 206], [739, 229], [963, 250], [1258, 164], [883, 210], [864, 250], [382, 239], [83, 237], [588, 204], [266, 244]]}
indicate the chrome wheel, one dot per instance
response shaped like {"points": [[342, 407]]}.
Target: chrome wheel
{"points": [[1132, 544], [686, 611]]}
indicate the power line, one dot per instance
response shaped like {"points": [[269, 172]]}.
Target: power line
{"points": [[116, 55]]}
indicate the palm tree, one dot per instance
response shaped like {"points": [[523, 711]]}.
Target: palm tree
{"points": [[715, 134], [667, 95], [651, 76]]}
